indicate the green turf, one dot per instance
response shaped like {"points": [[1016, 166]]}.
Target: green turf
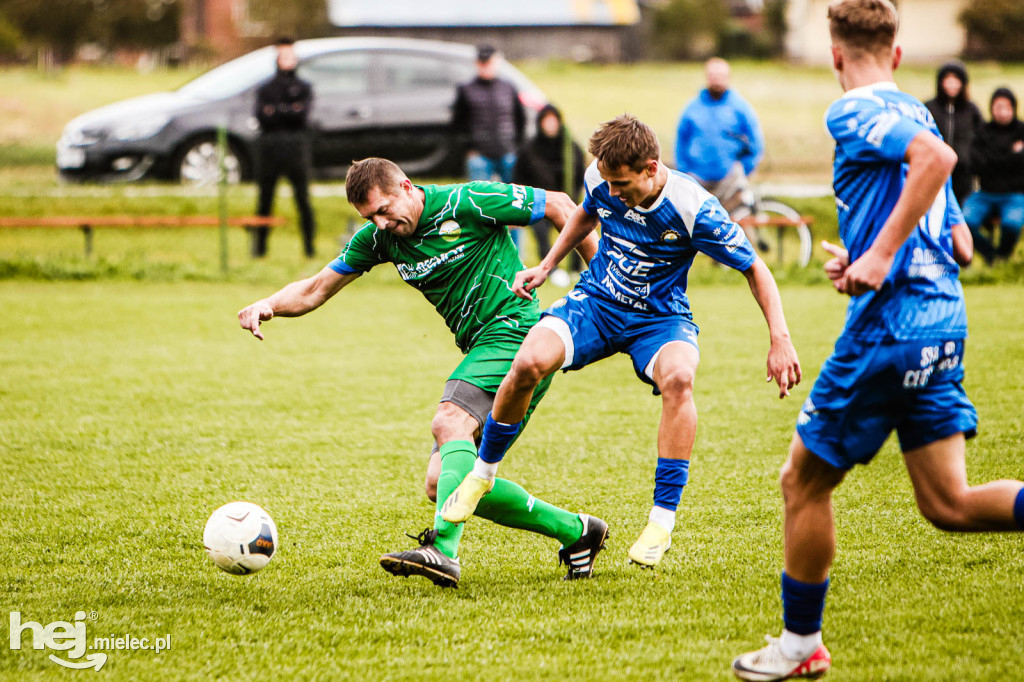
{"points": [[129, 411]]}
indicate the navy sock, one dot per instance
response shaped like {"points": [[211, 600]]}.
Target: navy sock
{"points": [[1018, 509], [803, 605], [496, 439], [669, 479]]}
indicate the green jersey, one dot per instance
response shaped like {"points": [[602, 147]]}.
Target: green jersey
{"points": [[460, 257]]}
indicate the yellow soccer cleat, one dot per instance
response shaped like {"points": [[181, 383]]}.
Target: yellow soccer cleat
{"points": [[647, 551], [461, 504]]}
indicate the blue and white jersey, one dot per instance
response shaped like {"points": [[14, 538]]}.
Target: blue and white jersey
{"points": [[645, 254], [921, 297]]}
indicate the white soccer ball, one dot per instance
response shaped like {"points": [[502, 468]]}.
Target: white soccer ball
{"points": [[240, 538]]}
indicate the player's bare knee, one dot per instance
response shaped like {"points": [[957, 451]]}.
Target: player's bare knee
{"points": [[945, 515], [449, 422], [431, 486], [528, 370], [677, 384]]}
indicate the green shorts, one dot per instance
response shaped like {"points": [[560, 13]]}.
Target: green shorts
{"points": [[484, 366]]}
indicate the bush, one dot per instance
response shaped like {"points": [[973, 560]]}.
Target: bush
{"points": [[689, 29], [994, 29]]}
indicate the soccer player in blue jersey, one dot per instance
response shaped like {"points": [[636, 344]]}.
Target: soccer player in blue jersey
{"points": [[632, 300], [898, 363]]}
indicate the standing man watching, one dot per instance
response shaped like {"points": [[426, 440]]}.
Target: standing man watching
{"points": [[284, 148], [491, 121], [997, 156], [719, 138], [898, 363]]}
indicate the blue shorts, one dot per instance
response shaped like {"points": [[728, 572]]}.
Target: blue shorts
{"points": [[867, 389], [593, 329]]}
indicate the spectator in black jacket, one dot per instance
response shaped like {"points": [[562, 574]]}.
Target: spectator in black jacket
{"points": [[958, 118], [997, 156], [490, 120], [541, 163], [282, 109]]}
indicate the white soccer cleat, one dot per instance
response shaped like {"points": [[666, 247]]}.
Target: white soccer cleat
{"points": [[652, 544], [769, 663], [461, 504]]}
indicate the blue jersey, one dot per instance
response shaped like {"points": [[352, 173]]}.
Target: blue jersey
{"points": [[921, 297], [645, 253]]}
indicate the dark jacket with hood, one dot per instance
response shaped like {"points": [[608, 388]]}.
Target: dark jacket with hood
{"points": [[1000, 169], [541, 161], [958, 119]]}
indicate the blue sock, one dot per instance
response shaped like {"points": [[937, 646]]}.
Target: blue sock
{"points": [[496, 439], [669, 479], [803, 605], [1018, 509]]}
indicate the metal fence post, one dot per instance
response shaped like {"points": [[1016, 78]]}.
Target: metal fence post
{"points": [[222, 194]]}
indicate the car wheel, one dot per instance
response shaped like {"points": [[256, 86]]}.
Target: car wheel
{"points": [[198, 163]]}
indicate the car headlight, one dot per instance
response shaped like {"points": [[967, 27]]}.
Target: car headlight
{"points": [[140, 129]]}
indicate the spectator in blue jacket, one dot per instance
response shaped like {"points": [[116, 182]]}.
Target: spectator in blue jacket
{"points": [[719, 140]]}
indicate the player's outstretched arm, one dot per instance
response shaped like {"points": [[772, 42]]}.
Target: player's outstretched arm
{"points": [[577, 228], [295, 299], [930, 162], [783, 363], [558, 210]]}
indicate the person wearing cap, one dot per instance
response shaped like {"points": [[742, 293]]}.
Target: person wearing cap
{"points": [[490, 120], [285, 147], [957, 118], [997, 156]]}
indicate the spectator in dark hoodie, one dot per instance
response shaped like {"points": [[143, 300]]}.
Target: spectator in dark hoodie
{"points": [[958, 119], [997, 156], [541, 163]]}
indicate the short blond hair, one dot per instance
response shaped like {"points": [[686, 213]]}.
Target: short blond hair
{"points": [[625, 141], [865, 25]]}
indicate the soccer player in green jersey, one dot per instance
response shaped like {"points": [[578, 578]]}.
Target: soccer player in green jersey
{"points": [[452, 243]]}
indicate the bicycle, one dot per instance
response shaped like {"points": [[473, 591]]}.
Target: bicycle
{"points": [[761, 215]]}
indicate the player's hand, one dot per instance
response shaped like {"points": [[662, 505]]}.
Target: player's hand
{"points": [[251, 316], [528, 280], [835, 268], [865, 274], [784, 366]]}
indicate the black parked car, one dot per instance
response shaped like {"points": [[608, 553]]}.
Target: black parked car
{"points": [[387, 97]]}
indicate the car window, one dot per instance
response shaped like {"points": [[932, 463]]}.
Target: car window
{"points": [[233, 77], [340, 73], [416, 71]]}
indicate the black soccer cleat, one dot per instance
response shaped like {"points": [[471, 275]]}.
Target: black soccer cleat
{"points": [[425, 560], [580, 555]]}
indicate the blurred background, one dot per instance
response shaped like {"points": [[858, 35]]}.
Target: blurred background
{"points": [[61, 60]]}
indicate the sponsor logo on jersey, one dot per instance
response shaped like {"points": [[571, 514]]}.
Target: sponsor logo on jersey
{"points": [[449, 230], [603, 213], [636, 217], [669, 236]]}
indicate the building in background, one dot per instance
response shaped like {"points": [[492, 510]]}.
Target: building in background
{"points": [[581, 30], [930, 30]]}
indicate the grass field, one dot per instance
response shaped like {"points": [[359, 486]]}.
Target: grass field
{"points": [[131, 410]]}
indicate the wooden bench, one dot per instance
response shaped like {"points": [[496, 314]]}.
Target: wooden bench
{"points": [[87, 223]]}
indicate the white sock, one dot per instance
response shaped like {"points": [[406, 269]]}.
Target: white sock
{"points": [[485, 470], [799, 647], [666, 518]]}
